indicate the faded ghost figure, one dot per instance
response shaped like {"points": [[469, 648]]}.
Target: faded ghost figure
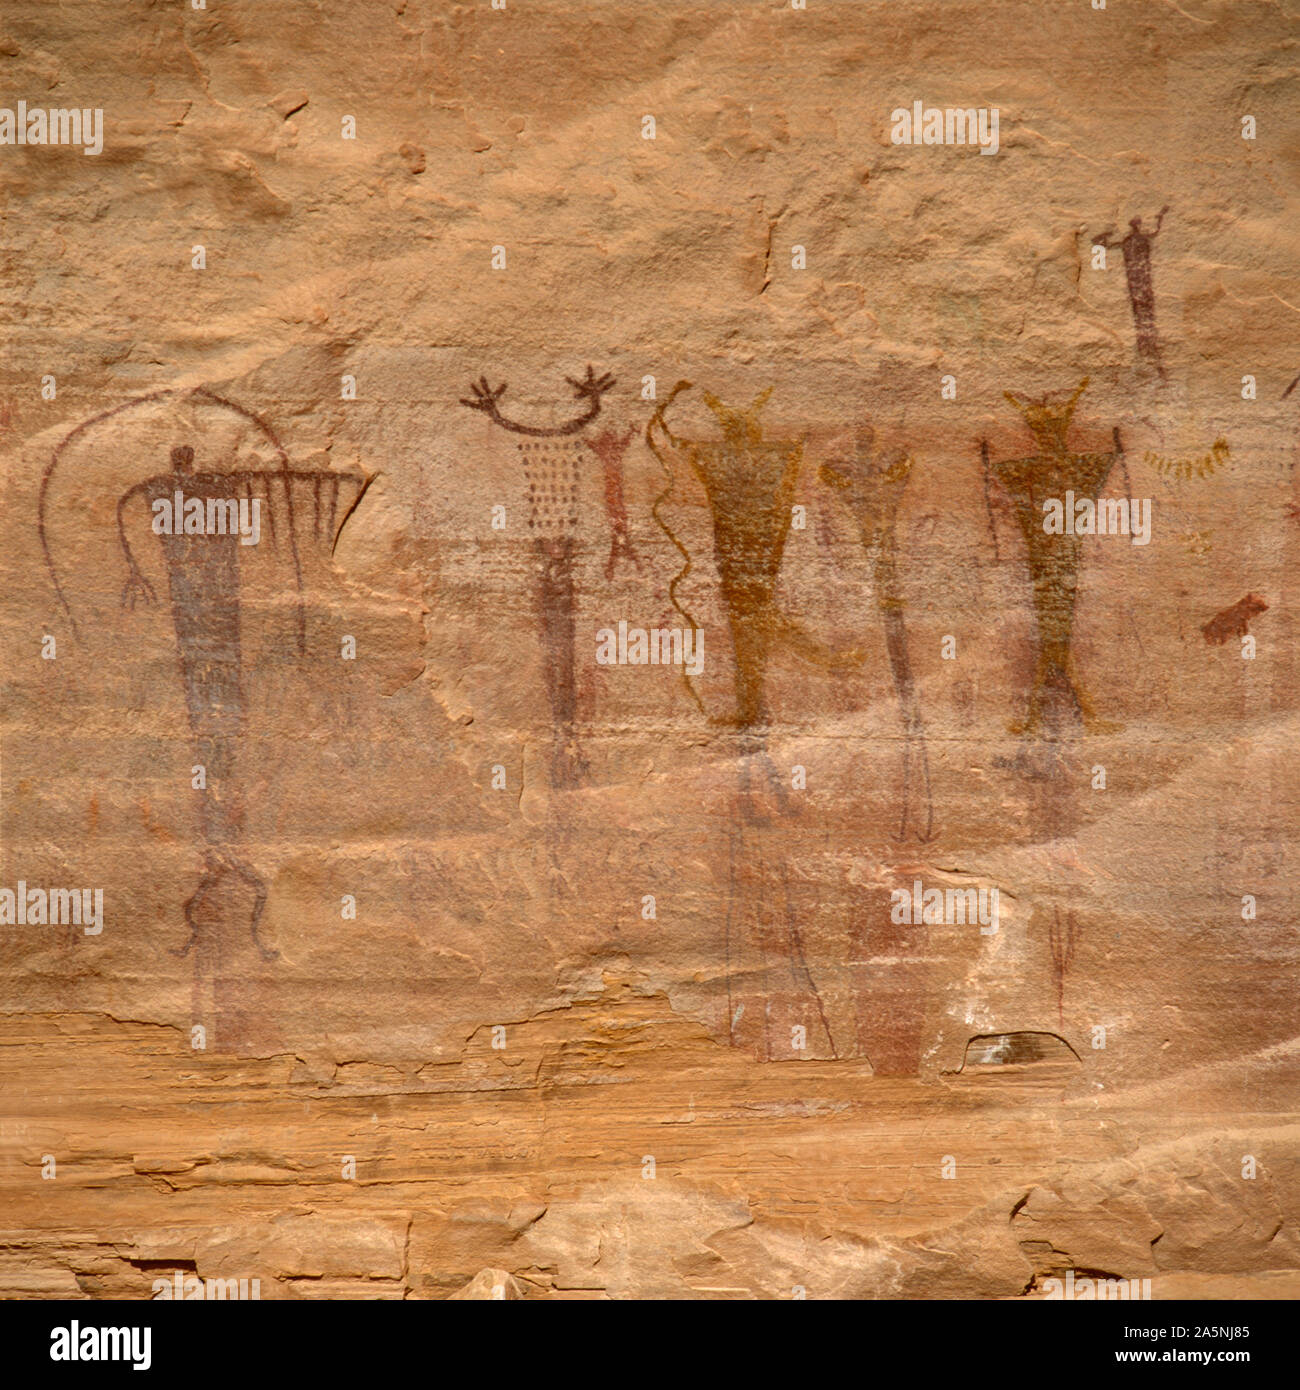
{"points": [[871, 484], [1054, 559], [770, 985], [1063, 940]]}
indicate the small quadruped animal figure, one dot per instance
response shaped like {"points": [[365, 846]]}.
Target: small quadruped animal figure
{"points": [[1234, 621]]}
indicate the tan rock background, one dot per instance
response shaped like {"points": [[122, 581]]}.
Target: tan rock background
{"points": [[524, 1167]]}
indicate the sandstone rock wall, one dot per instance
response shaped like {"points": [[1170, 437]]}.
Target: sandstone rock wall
{"points": [[442, 954]]}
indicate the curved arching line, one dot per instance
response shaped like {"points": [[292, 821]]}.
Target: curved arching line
{"points": [[103, 415], [485, 398]]}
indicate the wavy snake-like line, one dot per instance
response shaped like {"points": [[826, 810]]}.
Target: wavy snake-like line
{"points": [[667, 530]]}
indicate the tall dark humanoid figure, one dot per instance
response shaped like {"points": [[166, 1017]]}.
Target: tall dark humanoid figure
{"points": [[552, 459]]}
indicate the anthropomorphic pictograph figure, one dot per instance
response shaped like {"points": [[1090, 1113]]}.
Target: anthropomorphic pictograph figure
{"points": [[871, 483], [203, 577], [1054, 559], [553, 459], [1136, 246], [201, 554], [750, 481], [609, 447]]}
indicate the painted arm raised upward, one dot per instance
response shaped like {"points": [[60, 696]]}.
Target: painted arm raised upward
{"points": [[591, 388]]}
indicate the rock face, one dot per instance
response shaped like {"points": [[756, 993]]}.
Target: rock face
{"points": [[641, 662]]}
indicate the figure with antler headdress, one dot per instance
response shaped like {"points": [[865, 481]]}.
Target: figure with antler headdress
{"points": [[553, 458], [1054, 559]]}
